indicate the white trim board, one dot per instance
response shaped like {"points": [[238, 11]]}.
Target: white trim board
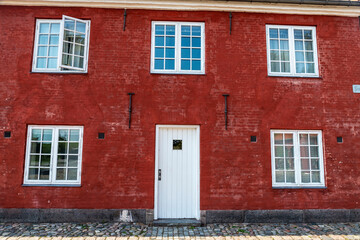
{"points": [[156, 188], [182, 5]]}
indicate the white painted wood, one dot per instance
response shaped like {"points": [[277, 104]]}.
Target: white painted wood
{"points": [[177, 193], [219, 6]]}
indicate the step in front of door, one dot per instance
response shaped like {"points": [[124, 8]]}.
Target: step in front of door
{"points": [[177, 222]]}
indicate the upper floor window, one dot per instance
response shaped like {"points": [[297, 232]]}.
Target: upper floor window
{"points": [[61, 45], [292, 51], [53, 155], [178, 47], [297, 158]]}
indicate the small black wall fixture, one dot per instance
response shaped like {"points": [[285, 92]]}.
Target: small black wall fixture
{"points": [[339, 139], [230, 16], [101, 135], [124, 19], [130, 108], [7, 134], [226, 110]]}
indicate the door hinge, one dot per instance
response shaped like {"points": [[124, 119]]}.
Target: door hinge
{"points": [[159, 174]]}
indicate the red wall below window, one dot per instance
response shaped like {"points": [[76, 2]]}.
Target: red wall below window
{"points": [[118, 172]]}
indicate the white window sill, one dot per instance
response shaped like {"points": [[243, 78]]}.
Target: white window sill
{"points": [[50, 185], [59, 72], [294, 76], [178, 73], [300, 187]]}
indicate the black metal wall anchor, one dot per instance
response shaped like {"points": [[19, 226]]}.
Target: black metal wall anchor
{"points": [[230, 16], [226, 110], [124, 19], [130, 108]]}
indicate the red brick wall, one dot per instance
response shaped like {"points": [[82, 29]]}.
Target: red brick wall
{"points": [[118, 172]]}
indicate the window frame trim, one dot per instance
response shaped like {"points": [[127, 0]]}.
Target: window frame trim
{"points": [[297, 161], [53, 159], [60, 46], [177, 69], [292, 72]]}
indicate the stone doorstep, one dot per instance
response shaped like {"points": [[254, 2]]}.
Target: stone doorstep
{"points": [[174, 222]]}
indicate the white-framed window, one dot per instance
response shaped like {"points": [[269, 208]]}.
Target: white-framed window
{"points": [[53, 155], [297, 158], [292, 51], [178, 47], [61, 45]]}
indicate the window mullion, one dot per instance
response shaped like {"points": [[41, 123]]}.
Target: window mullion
{"points": [[178, 47], [61, 43], [54, 154], [292, 51], [297, 158]]}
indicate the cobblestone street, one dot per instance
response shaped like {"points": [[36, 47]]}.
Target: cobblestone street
{"points": [[118, 231]]}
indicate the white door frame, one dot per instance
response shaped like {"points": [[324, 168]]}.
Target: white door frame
{"points": [[156, 195]]}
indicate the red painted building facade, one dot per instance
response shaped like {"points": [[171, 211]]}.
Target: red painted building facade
{"points": [[237, 176]]}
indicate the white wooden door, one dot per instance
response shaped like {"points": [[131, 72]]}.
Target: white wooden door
{"points": [[178, 165]]}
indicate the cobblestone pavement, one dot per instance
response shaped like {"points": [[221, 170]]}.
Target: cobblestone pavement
{"points": [[118, 231]]}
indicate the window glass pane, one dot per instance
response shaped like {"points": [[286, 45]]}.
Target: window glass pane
{"points": [[36, 134], [68, 48], [45, 160], [290, 164], [73, 148], [304, 139], [289, 151], [69, 24], [299, 45], [290, 177], [66, 60], [43, 39], [196, 42], [278, 138], [305, 164], [74, 135], [79, 50], [298, 34], [53, 51], [279, 163], [315, 176], [34, 160], [310, 68], [273, 33], [69, 36], [62, 147], [284, 44], [275, 67], [185, 30], [170, 64], [73, 160], [284, 33], [170, 30], [196, 65], [299, 56], [285, 67], [44, 27], [285, 56], [315, 165], [55, 28], [52, 63], [72, 174], [185, 52], [304, 151], [170, 41], [308, 45], [300, 68], [80, 27], [80, 38], [159, 64], [309, 56], [42, 51], [280, 176], [78, 62], [159, 29], [63, 135], [170, 53], [44, 174], [313, 139], [35, 147], [41, 63], [46, 147], [305, 176], [288, 139], [159, 52], [185, 42], [33, 173], [314, 151], [61, 162], [185, 64], [60, 174], [196, 53], [196, 31], [308, 34], [274, 44], [274, 55], [159, 41], [279, 151]]}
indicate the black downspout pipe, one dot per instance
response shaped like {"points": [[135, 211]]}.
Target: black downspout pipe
{"points": [[124, 19], [130, 108], [230, 16], [226, 110]]}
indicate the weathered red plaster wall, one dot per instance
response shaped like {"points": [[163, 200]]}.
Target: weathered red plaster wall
{"points": [[118, 172]]}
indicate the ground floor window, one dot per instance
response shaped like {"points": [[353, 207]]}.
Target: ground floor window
{"points": [[53, 155], [297, 158]]}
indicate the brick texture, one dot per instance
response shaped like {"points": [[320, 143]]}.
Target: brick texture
{"points": [[118, 172]]}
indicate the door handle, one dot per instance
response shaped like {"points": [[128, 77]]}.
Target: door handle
{"points": [[159, 174]]}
